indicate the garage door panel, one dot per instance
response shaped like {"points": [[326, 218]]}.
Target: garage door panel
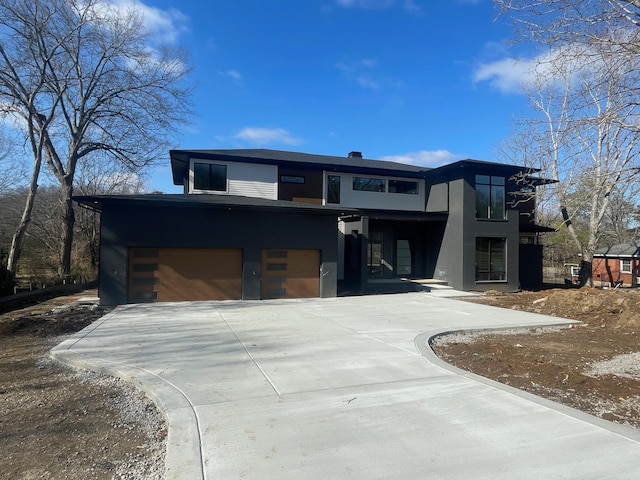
{"points": [[290, 273], [184, 274]]}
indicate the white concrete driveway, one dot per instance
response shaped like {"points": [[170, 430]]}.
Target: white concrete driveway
{"points": [[342, 388]]}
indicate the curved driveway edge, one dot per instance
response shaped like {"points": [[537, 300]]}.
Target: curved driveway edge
{"points": [[423, 342], [183, 456], [342, 388]]}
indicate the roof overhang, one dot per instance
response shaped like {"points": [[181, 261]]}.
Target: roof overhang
{"points": [[403, 215], [212, 201], [533, 228]]}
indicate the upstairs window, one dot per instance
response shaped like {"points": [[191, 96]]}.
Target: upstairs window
{"points": [[490, 194], [365, 184], [291, 179], [403, 186], [333, 189], [210, 176]]}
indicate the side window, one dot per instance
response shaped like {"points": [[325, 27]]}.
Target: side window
{"points": [[210, 176], [490, 195], [333, 189]]}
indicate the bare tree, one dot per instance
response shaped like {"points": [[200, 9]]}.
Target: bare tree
{"points": [[85, 84], [584, 136], [554, 22], [585, 93]]}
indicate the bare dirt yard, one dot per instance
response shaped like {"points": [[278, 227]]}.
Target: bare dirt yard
{"points": [[593, 366], [60, 423]]}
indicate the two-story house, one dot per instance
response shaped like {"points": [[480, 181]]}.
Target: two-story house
{"points": [[257, 224]]}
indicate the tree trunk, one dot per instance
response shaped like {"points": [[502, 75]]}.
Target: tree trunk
{"points": [[18, 237], [68, 221]]}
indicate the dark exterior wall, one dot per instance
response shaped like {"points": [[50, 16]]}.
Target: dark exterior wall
{"points": [[531, 267], [310, 191], [456, 262], [122, 228], [437, 197], [450, 261]]}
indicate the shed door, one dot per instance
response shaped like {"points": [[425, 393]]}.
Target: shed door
{"points": [[184, 274], [290, 274]]}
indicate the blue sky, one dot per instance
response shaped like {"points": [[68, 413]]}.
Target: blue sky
{"points": [[421, 81]]}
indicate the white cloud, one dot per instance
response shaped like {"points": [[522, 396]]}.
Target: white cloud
{"points": [[232, 74], [515, 75], [265, 136], [507, 75], [424, 158], [163, 25]]}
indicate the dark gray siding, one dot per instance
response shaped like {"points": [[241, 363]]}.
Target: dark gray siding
{"points": [[456, 262], [201, 227]]}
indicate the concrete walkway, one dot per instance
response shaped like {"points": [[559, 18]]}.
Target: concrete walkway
{"points": [[341, 388]]}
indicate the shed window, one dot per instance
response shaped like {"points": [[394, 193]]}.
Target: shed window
{"points": [[625, 265], [210, 176]]}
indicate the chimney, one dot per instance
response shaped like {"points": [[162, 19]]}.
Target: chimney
{"points": [[355, 154]]}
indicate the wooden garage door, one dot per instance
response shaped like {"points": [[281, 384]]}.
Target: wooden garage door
{"points": [[184, 274], [290, 274]]}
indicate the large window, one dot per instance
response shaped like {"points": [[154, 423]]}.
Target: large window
{"points": [[333, 189], [210, 176], [365, 184], [490, 197], [625, 265], [403, 186], [491, 259]]}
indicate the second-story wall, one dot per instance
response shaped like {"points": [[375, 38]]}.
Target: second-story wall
{"points": [[245, 179], [376, 192]]}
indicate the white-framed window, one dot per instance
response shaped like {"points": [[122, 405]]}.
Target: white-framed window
{"points": [[209, 176], [491, 259], [625, 265]]}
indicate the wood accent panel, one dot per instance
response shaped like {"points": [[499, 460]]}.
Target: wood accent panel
{"points": [[315, 201], [185, 274], [290, 273]]}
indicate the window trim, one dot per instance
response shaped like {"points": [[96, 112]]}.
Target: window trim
{"points": [[192, 175], [397, 181], [495, 182], [337, 192], [622, 270], [490, 271], [296, 179], [383, 185]]}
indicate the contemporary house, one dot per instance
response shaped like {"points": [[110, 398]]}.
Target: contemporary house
{"points": [[259, 224], [617, 265]]}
